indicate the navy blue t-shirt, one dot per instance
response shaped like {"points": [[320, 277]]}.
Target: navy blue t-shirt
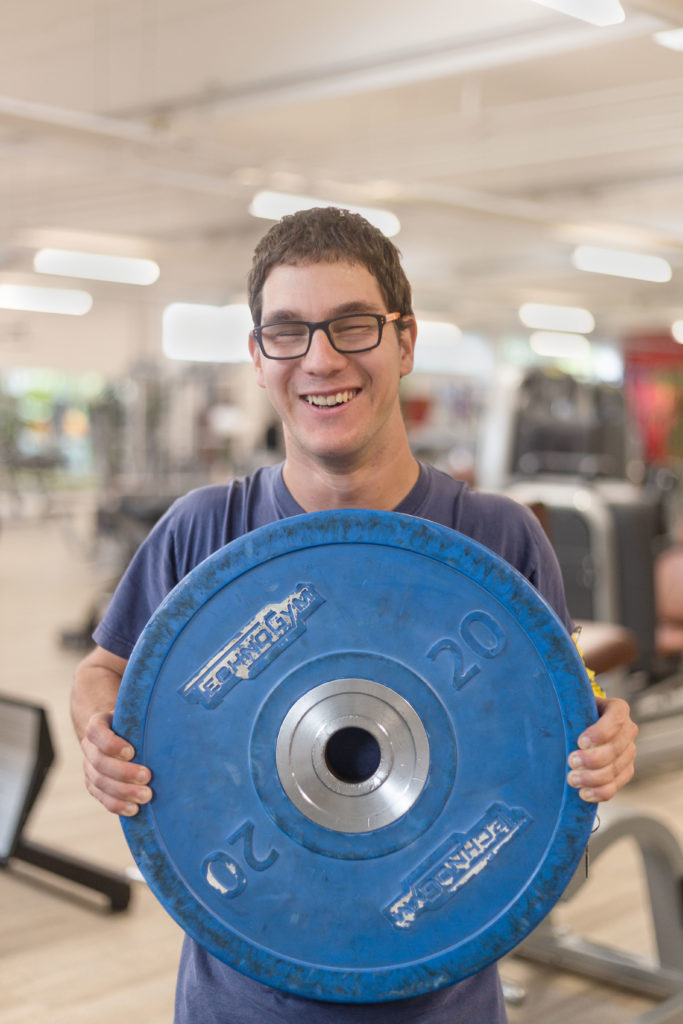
{"points": [[208, 991]]}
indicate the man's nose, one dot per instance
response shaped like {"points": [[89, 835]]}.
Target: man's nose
{"points": [[322, 353]]}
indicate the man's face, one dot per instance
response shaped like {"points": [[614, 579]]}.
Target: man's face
{"points": [[365, 415]]}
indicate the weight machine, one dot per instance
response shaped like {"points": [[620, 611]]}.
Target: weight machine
{"points": [[662, 859], [565, 451], [26, 755]]}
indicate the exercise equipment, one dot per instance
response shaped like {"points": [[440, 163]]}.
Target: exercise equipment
{"points": [[608, 648], [662, 861], [358, 726], [540, 422], [605, 537], [26, 756]]}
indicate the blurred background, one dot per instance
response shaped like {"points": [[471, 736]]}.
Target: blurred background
{"points": [[526, 159], [503, 136]]}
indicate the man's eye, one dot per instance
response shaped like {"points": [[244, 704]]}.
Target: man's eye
{"points": [[287, 332]]}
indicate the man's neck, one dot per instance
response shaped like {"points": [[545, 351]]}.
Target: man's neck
{"points": [[320, 487]]}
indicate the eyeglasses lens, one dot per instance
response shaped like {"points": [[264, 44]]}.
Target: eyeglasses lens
{"points": [[348, 334]]}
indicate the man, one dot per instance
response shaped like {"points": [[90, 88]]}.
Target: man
{"points": [[334, 334]]}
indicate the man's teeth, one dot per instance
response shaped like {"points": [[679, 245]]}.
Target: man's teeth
{"points": [[339, 399]]}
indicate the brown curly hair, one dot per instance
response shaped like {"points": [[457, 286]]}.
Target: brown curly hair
{"points": [[329, 235]]}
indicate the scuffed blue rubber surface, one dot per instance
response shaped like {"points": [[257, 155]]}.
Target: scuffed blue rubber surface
{"points": [[496, 833]]}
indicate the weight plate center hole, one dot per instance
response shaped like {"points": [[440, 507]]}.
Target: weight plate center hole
{"points": [[352, 755]]}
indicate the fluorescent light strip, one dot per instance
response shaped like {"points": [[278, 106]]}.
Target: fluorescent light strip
{"points": [[556, 318], [206, 334], [69, 301], [438, 332], [274, 205], [677, 331], [672, 39], [96, 266], [555, 345], [438, 349], [595, 12], [617, 263]]}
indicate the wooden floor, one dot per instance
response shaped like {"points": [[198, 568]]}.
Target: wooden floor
{"points": [[64, 960]]}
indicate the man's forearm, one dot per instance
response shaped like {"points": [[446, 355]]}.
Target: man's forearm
{"points": [[96, 687]]}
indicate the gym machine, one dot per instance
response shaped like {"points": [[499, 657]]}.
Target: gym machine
{"points": [[662, 859], [565, 454], [26, 755]]}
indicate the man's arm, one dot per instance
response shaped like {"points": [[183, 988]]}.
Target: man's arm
{"points": [[110, 775]]}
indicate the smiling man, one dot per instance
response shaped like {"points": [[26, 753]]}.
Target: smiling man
{"points": [[334, 334], [337, 396]]}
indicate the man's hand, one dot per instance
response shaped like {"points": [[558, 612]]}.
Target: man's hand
{"points": [[604, 761], [110, 775]]}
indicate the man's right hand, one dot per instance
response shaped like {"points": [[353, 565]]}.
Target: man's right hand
{"points": [[110, 774]]}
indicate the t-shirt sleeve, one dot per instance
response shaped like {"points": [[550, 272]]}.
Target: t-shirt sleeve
{"points": [[504, 526], [195, 526], [514, 532], [546, 574], [151, 574]]}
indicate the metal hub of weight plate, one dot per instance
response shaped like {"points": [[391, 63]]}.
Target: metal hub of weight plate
{"points": [[358, 726]]}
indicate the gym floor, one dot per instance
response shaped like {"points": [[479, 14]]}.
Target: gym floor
{"points": [[65, 960]]}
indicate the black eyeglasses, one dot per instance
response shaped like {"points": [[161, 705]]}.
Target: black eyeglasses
{"points": [[292, 339]]}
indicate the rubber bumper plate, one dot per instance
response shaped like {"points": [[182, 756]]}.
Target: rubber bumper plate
{"points": [[358, 725]]}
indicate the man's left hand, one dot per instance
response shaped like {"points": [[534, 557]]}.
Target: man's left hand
{"points": [[604, 761]]}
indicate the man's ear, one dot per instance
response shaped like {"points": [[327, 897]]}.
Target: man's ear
{"points": [[255, 353], [406, 340]]}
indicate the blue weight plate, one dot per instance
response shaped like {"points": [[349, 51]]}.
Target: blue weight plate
{"points": [[358, 726]]}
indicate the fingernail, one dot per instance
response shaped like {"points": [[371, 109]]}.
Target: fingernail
{"points": [[585, 742], [127, 753], [144, 796], [588, 795], [129, 810], [574, 779], [142, 776], [576, 761]]}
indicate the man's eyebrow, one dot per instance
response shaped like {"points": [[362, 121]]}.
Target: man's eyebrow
{"points": [[353, 306], [357, 306], [280, 314]]}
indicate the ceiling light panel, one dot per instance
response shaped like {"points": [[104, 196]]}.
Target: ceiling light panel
{"points": [[438, 332], [617, 263], [559, 345], [274, 205], [206, 334], [595, 12], [671, 39], [96, 266], [69, 301], [556, 318]]}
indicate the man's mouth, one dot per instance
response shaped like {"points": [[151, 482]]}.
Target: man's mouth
{"points": [[340, 398]]}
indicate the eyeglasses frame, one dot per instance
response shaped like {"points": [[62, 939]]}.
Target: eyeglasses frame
{"points": [[324, 325]]}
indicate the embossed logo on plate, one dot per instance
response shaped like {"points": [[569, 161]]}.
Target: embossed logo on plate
{"points": [[456, 862], [250, 650]]}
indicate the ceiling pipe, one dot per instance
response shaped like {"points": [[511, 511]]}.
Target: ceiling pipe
{"points": [[76, 122], [453, 57], [668, 10]]}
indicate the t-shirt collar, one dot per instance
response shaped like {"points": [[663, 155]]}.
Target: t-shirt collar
{"points": [[410, 505]]}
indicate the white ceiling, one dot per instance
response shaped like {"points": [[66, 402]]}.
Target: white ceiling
{"points": [[500, 132]]}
